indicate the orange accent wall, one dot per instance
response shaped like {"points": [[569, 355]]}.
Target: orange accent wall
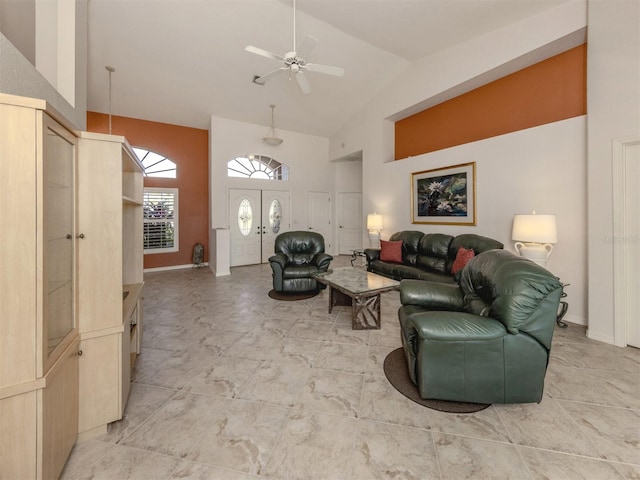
{"points": [[552, 90], [189, 148]]}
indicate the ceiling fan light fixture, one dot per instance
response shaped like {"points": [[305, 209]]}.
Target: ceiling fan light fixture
{"points": [[271, 138]]}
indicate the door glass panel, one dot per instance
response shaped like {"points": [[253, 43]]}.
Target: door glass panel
{"points": [[58, 204], [245, 217], [275, 215]]}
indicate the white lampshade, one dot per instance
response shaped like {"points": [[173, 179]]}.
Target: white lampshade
{"points": [[374, 222], [535, 228]]}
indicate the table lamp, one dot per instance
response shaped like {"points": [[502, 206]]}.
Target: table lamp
{"points": [[535, 235]]}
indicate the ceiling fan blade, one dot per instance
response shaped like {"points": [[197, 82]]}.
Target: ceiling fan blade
{"points": [[303, 82], [327, 69], [264, 53], [307, 46], [263, 78]]}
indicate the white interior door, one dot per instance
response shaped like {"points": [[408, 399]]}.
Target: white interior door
{"points": [[626, 235], [319, 204], [276, 207], [349, 222], [245, 225], [630, 242]]}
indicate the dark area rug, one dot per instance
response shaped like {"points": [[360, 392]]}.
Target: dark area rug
{"points": [[292, 297], [395, 368]]}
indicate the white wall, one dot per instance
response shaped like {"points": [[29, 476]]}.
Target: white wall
{"points": [[18, 75], [305, 155], [614, 112], [348, 176], [542, 168]]}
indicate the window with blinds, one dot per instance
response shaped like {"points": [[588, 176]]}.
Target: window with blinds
{"points": [[160, 229]]}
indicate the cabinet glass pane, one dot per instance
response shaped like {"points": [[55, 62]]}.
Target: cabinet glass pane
{"points": [[58, 237]]}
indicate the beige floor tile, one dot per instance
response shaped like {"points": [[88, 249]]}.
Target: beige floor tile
{"points": [[123, 462], [343, 357], [242, 437], [614, 431], [275, 383], [467, 458], [315, 446], [544, 464], [333, 392], [143, 401], [224, 378], [177, 426], [545, 425], [187, 470], [385, 451], [602, 387]]}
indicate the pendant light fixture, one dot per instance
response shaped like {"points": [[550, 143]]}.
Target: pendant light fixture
{"points": [[272, 138]]}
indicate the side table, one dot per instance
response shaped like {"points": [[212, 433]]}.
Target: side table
{"points": [[358, 252], [564, 306]]}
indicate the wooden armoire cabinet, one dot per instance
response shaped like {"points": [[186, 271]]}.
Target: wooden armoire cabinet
{"points": [[70, 284]]}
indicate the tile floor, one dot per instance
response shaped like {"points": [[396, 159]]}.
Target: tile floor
{"points": [[234, 385]]}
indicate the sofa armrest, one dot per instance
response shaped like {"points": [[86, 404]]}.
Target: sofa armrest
{"points": [[279, 259], [431, 295], [372, 254], [322, 261], [455, 327]]}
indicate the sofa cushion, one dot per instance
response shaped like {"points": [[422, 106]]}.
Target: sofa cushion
{"points": [[433, 250], [391, 251], [462, 257], [478, 243], [410, 240]]}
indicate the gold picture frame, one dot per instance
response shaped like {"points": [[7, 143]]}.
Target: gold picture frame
{"points": [[444, 196]]}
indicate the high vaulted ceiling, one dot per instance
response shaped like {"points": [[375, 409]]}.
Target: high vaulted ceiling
{"points": [[182, 61]]}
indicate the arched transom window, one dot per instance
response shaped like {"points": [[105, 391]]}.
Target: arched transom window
{"points": [[155, 165], [257, 166]]}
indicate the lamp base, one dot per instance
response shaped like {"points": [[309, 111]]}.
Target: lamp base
{"points": [[374, 239], [536, 252]]}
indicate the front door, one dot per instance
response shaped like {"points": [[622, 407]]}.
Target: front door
{"points": [[256, 217], [245, 226], [275, 219]]}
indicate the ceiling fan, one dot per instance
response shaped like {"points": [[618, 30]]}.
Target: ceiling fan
{"points": [[294, 62]]}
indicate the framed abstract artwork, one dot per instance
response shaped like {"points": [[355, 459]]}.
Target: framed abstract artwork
{"points": [[444, 196]]}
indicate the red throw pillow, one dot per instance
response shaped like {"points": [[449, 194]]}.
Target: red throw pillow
{"points": [[462, 257], [391, 251]]}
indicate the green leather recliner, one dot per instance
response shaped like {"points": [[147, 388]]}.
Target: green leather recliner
{"points": [[486, 340], [298, 255]]}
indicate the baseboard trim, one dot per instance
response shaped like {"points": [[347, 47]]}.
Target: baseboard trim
{"points": [[173, 267], [600, 338]]}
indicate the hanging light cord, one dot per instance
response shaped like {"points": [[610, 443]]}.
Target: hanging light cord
{"points": [[110, 70]]}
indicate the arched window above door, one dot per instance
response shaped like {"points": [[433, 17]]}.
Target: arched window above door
{"points": [[257, 166]]}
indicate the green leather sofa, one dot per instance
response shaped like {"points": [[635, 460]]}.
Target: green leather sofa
{"points": [[298, 255], [427, 256], [486, 340]]}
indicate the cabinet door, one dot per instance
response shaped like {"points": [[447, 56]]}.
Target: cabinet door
{"points": [[59, 407], [18, 436], [100, 381], [58, 239]]}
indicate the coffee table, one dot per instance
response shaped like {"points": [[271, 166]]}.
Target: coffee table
{"points": [[355, 287]]}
